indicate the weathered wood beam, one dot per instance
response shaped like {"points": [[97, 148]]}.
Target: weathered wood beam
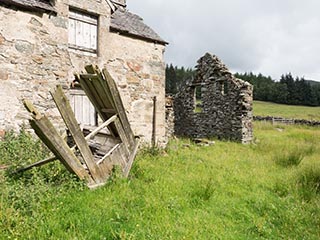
{"points": [[66, 112], [112, 111], [101, 89], [131, 158], [51, 138], [54, 158], [96, 97], [102, 126], [119, 107], [38, 164], [108, 153]]}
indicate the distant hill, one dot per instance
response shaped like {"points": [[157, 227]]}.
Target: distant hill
{"points": [[313, 82]]}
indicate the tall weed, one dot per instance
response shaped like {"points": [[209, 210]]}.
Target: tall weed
{"points": [[308, 179], [290, 159]]}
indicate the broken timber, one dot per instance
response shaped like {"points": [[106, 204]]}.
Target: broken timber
{"points": [[93, 156]]}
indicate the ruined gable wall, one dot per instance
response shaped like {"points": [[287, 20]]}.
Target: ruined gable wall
{"points": [[226, 104], [139, 68]]}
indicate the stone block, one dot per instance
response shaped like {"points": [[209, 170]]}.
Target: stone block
{"points": [[2, 133], [134, 66], [2, 40], [24, 47], [3, 74], [37, 58], [35, 22], [60, 22], [60, 73], [133, 79]]}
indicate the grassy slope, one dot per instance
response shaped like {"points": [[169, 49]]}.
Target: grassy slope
{"points": [[287, 111], [226, 191]]}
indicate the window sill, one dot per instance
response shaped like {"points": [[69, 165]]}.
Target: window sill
{"points": [[82, 50]]}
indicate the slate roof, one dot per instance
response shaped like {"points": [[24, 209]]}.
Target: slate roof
{"points": [[40, 5], [131, 24]]}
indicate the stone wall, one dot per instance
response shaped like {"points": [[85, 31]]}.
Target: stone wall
{"points": [[140, 72], [34, 57], [224, 109], [169, 117], [288, 121]]}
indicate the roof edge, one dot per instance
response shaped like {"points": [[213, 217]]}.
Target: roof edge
{"points": [[48, 9], [119, 4], [126, 33]]}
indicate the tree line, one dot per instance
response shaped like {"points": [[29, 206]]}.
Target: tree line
{"points": [[287, 90]]}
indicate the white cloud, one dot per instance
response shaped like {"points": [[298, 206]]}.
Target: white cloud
{"points": [[272, 37]]}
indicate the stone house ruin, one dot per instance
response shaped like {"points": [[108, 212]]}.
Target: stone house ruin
{"points": [[214, 104], [44, 42]]}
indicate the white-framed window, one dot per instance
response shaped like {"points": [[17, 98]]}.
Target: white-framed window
{"points": [[83, 31], [83, 109]]}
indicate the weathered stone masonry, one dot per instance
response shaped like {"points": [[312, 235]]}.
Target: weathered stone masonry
{"points": [[35, 55], [225, 109]]}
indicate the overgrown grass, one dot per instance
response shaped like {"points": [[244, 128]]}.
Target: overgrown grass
{"points": [[225, 191], [286, 111]]}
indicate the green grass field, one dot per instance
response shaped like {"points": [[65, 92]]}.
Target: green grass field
{"points": [[267, 190], [286, 111]]}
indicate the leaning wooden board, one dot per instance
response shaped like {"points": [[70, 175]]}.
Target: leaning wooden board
{"points": [[80, 159]]}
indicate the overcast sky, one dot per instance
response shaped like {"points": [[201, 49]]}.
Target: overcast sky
{"points": [[268, 36]]}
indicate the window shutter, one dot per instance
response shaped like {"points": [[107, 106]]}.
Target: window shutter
{"points": [[83, 31]]}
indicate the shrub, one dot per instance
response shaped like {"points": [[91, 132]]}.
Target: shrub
{"points": [[21, 149]]}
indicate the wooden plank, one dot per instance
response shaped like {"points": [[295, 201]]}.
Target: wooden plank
{"points": [[86, 35], [123, 136], [108, 154], [103, 125], [89, 89], [51, 138], [98, 94], [106, 105], [119, 106], [37, 164], [29, 106], [121, 159], [65, 110], [131, 158], [102, 82], [72, 31], [79, 34], [98, 99], [100, 88], [93, 36], [88, 76], [94, 99], [51, 159], [100, 91], [112, 111]]}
